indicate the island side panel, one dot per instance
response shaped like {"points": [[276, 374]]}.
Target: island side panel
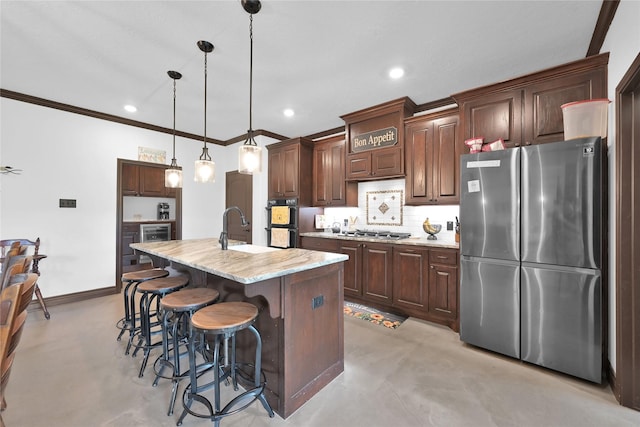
{"points": [[314, 333]]}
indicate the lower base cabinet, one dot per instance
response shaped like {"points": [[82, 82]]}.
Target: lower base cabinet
{"points": [[417, 281]]}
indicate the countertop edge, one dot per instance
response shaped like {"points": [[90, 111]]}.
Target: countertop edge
{"points": [[268, 258]]}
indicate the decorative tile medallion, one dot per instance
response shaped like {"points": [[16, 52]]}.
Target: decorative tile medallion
{"points": [[385, 207]]}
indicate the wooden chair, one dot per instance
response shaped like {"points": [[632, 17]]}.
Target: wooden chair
{"points": [[8, 314], [21, 285], [10, 244]]}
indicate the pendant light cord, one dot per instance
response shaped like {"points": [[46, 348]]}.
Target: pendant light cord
{"points": [[251, 80], [173, 160]]}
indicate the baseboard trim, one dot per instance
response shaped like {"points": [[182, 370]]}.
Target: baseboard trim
{"points": [[611, 377], [75, 297]]}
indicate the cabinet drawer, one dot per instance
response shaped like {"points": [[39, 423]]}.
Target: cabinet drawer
{"points": [[443, 257], [319, 244]]}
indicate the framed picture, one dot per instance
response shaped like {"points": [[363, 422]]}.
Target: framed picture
{"points": [[385, 207]]}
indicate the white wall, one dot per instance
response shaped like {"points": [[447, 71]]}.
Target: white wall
{"points": [[66, 155], [623, 43]]}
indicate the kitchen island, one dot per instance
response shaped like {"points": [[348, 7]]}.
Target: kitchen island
{"points": [[300, 297]]}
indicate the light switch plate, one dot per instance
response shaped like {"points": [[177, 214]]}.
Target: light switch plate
{"points": [[67, 203]]}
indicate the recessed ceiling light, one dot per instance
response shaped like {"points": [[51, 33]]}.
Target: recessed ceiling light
{"points": [[288, 112], [396, 73], [130, 108]]}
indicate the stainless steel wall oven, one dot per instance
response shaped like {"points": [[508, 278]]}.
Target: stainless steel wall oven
{"points": [[282, 223]]}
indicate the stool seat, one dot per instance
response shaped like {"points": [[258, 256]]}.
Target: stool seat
{"points": [[189, 299], [142, 275], [225, 317], [164, 284]]}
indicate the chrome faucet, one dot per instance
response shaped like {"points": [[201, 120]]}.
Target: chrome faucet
{"points": [[224, 240]]}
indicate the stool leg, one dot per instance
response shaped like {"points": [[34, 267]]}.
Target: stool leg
{"points": [[164, 359], [145, 335], [127, 320], [132, 315], [258, 370]]}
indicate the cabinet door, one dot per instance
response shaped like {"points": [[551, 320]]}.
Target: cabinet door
{"points": [[377, 273], [419, 162], [387, 162], [543, 120], [359, 165], [152, 182], [352, 268], [443, 291], [410, 278], [276, 174], [321, 175], [494, 116], [291, 171], [446, 161], [130, 179]]}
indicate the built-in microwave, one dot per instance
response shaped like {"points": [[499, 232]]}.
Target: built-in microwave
{"points": [[153, 233]]}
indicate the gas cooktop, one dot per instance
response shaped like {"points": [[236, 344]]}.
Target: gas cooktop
{"points": [[379, 234]]}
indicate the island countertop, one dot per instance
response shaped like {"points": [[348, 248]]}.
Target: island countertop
{"points": [[240, 266]]}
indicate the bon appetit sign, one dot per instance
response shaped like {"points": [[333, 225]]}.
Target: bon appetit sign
{"points": [[375, 139]]}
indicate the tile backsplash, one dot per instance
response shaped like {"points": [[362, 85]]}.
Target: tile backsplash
{"points": [[412, 216]]}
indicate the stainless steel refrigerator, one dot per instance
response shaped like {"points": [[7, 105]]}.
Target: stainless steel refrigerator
{"points": [[531, 249]]}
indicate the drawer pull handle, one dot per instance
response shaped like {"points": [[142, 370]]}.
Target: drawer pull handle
{"points": [[442, 257]]}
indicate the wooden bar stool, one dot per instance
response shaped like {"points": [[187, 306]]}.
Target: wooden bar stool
{"points": [[223, 321], [153, 290], [132, 280], [177, 309]]}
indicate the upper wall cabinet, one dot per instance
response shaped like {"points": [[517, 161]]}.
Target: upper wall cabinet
{"points": [[142, 180], [290, 170], [375, 141], [431, 159], [526, 110], [329, 186]]}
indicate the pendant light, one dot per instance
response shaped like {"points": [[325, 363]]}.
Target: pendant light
{"points": [[173, 175], [249, 154], [204, 166]]}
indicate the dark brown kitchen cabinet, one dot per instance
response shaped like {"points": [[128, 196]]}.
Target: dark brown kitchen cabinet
{"points": [[130, 234], [290, 165], [147, 181], [352, 267], [526, 110], [329, 186], [432, 159], [377, 160], [377, 272], [411, 278], [443, 287], [319, 244]]}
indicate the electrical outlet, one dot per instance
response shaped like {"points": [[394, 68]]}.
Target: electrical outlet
{"points": [[317, 302], [450, 225], [67, 203]]}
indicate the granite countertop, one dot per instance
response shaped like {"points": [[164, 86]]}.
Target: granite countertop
{"points": [[253, 264], [412, 241]]}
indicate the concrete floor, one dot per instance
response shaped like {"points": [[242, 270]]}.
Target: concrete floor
{"points": [[70, 371]]}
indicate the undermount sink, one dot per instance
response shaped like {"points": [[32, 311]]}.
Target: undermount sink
{"points": [[252, 249]]}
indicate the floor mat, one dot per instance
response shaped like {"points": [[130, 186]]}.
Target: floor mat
{"points": [[388, 320]]}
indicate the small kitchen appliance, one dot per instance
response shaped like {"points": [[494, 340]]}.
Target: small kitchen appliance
{"points": [[163, 211]]}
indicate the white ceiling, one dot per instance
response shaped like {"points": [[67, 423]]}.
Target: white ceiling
{"points": [[324, 59]]}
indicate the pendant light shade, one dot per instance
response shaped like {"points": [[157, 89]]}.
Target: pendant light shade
{"points": [[249, 154], [205, 168], [173, 175]]}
